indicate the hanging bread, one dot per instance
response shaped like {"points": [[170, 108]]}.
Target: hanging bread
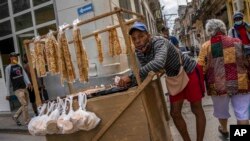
{"points": [[40, 61], [82, 58], [111, 43], [61, 61], [67, 58], [51, 47], [99, 48], [33, 55], [47, 55], [117, 46], [85, 65]]}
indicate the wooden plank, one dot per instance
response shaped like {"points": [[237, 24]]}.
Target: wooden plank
{"points": [[132, 57], [131, 12], [155, 106], [32, 73], [124, 107]]}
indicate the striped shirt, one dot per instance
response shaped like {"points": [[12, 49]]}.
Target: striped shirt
{"points": [[162, 55]]}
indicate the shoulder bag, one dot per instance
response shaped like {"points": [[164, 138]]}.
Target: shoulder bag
{"points": [[175, 84]]}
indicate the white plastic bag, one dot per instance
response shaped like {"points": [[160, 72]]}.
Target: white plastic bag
{"points": [[80, 116], [51, 126], [88, 120], [64, 124], [33, 122], [40, 128]]}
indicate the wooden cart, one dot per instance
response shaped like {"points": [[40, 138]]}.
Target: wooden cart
{"points": [[139, 114]]}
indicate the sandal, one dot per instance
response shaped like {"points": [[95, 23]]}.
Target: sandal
{"points": [[224, 134]]}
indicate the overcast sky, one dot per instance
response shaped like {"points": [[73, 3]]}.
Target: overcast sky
{"points": [[171, 7]]}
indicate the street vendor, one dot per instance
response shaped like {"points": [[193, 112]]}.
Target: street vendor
{"points": [[156, 53]]}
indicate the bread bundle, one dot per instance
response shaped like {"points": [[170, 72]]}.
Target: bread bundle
{"points": [[40, 59], [114, 44], [65, 62], [99, 48], [81, 55], [51, 47]]}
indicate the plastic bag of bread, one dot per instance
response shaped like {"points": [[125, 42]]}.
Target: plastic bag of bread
{"points": [[80, 116], [84, 120], [35, 120], [64, 124], [81, 55], [51, 126], [40, 127]]}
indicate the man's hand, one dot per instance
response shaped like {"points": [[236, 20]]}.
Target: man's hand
{"points": [[124, 81], [30, 87], [7, 98]]}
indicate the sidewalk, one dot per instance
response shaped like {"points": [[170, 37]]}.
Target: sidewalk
{"points": [[9, 126], [211, 133]]}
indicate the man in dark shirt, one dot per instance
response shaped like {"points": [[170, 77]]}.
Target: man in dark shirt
{"points": [[32, 95], [16, 76]]}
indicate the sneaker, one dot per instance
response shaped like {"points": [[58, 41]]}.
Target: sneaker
{"points": [[18, 123]]}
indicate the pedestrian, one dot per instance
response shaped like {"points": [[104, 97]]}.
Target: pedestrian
{"points": [[31, 92], [17, 76], [172, 39], [156, 53], [225, 69], [240, 29]]}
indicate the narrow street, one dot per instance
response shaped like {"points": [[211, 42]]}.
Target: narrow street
{"points": [[211, 133]]}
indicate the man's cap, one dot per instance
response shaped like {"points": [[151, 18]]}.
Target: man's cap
{"points": [[138, 26], [13, 54], [238, 15]]}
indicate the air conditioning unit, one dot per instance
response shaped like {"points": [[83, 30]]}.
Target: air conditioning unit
{"points": [[239, 5]]}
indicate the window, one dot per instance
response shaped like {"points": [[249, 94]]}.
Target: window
{"points": [[48, 11], [20, 5], [6, 47], [23, 21], [5, 28], [45, 30], [37, 2], [126, 5], [4, 9]]}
